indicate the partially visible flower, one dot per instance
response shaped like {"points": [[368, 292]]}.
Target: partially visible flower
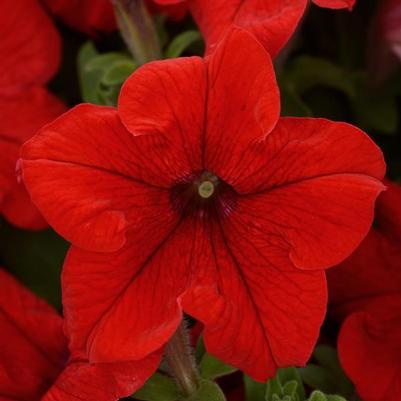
{"points": [[21, 115], [374, 269], [335, 4], [94, 16], [89, 16], [369, 348], [365, 290], [384, 46], [30, 46], [213, 206], [35, 363], [271, 22], [30, 53]]}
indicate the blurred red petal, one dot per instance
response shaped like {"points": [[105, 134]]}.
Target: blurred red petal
{"points": [[336, 4], [89, 16], [29, 47], [21, 115], [374, 268], [369, 349], [33, 348]]}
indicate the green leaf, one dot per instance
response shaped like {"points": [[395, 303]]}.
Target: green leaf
{"points": [[89, 80], [118, 72], [318, 377], [290, 375], [181, 42], [327, 358], [207, 391], [317, 396], [158, 388], [101, 75], [375, 110], [292, 103], [273, 389], [211, 368], [306, 72], [254, 391], [290, 388]]}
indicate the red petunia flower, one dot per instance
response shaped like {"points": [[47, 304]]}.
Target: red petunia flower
{"points": [[374, 268], [194, 195], [335, 4], [369, 349], [35, 362], [30, 52], [271, 22]]}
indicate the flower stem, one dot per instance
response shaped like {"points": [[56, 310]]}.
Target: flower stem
{"points": [[181, 361], [138, 30]]}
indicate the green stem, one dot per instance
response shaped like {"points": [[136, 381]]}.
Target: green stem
{"points": [[138, 30], [181, 361]]}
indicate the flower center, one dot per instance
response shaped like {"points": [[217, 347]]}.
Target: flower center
{"points": [[203, 194], [206, 189]]}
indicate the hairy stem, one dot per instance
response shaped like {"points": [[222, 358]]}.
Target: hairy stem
{"points": [[180, 359], [138, 30]]}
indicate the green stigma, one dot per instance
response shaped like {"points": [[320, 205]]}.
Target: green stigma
{"points": [[206, 189]]}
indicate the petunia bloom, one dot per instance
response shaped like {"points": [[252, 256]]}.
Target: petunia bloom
{"points": [[30, 52], [195, 196], [335, 4], [35, 362], [369, 349], [374, 268]]}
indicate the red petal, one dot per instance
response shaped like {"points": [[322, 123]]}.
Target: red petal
{"points": [[101, 382], [29, 47], [131, 307], [312, 176], [154, 102], [174, 9], [243, 103], [32, 344], [38, 107], [369, 350], [374, 268], [335, 4], [258, 314], [271, 22], [89, 16], [85, 173]]}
